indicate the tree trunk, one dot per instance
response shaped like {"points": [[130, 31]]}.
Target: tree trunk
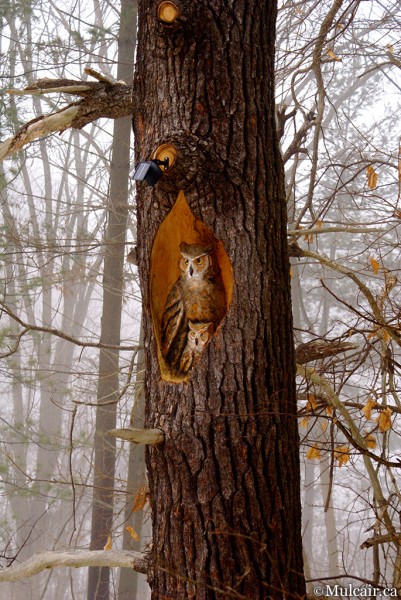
{"points": [[108, 386], [225, 485], [133, 585]]}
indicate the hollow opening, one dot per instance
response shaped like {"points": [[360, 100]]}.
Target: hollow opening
{"points": [[191, 285]]}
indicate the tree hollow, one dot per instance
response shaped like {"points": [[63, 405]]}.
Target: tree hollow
{"points": [[180, 225]]}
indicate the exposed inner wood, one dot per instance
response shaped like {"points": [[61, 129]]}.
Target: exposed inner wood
{"points": [[180, 225]]}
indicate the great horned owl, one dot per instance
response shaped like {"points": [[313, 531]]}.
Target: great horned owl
{"points": [[198, 295], [199, 334]]}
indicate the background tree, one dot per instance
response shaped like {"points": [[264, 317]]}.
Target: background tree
{"points": [[340, 147], [54, 209], [113, 281]]}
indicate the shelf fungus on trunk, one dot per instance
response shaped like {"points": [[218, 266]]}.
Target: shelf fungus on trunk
{"points": [[190, 287]]}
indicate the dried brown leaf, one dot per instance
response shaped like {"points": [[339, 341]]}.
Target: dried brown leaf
{"points": [[375, 265], [367, 409], [109, 543], [313, 453], [333, 55], [311, 404], [385, 334], [341, 454], [384, 420], [140, 499], [371, 441], [373, 177], [132, 532]]}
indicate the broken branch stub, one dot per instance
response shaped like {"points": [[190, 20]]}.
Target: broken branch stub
{"points": [[139, 436]]}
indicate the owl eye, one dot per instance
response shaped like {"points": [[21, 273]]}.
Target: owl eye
{"points": [[192, 334], [186, 261], [203, 337], [199, 261]]}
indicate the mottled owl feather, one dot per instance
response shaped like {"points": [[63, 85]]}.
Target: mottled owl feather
{"points": [[186, 360], [173, 318], [198, 296], [203, 292]]}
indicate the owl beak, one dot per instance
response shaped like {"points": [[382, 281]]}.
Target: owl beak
{"points": [[191, 271], [196, 342]]}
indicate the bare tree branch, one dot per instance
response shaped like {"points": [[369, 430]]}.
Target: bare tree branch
{"points": [[61, 334], [331, 264], [76, 558], [379, 539], [317, 350], [103, 98], [325, 29], [339, 229]]}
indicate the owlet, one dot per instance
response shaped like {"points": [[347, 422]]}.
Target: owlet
{"points": [[199, 334]]}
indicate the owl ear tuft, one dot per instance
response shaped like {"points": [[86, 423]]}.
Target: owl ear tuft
{"points": [[195, 250], [208, 248], [184, 248]]}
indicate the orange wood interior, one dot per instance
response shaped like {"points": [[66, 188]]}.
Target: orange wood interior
{"points": [[180, 225]]}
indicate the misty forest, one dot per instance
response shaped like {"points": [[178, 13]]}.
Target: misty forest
{"points": [[249, 449]]}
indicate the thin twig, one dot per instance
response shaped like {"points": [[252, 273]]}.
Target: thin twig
{"points": [[74, 522], [61, 334]]}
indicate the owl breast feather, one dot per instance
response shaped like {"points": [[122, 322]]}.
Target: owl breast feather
{"points": [[204, 300]]}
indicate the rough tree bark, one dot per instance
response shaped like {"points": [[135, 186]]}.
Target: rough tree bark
{"points": [[225, 484]]}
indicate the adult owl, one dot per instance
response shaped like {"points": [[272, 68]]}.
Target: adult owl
{"points": [[198, 295], [199, 335]]}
